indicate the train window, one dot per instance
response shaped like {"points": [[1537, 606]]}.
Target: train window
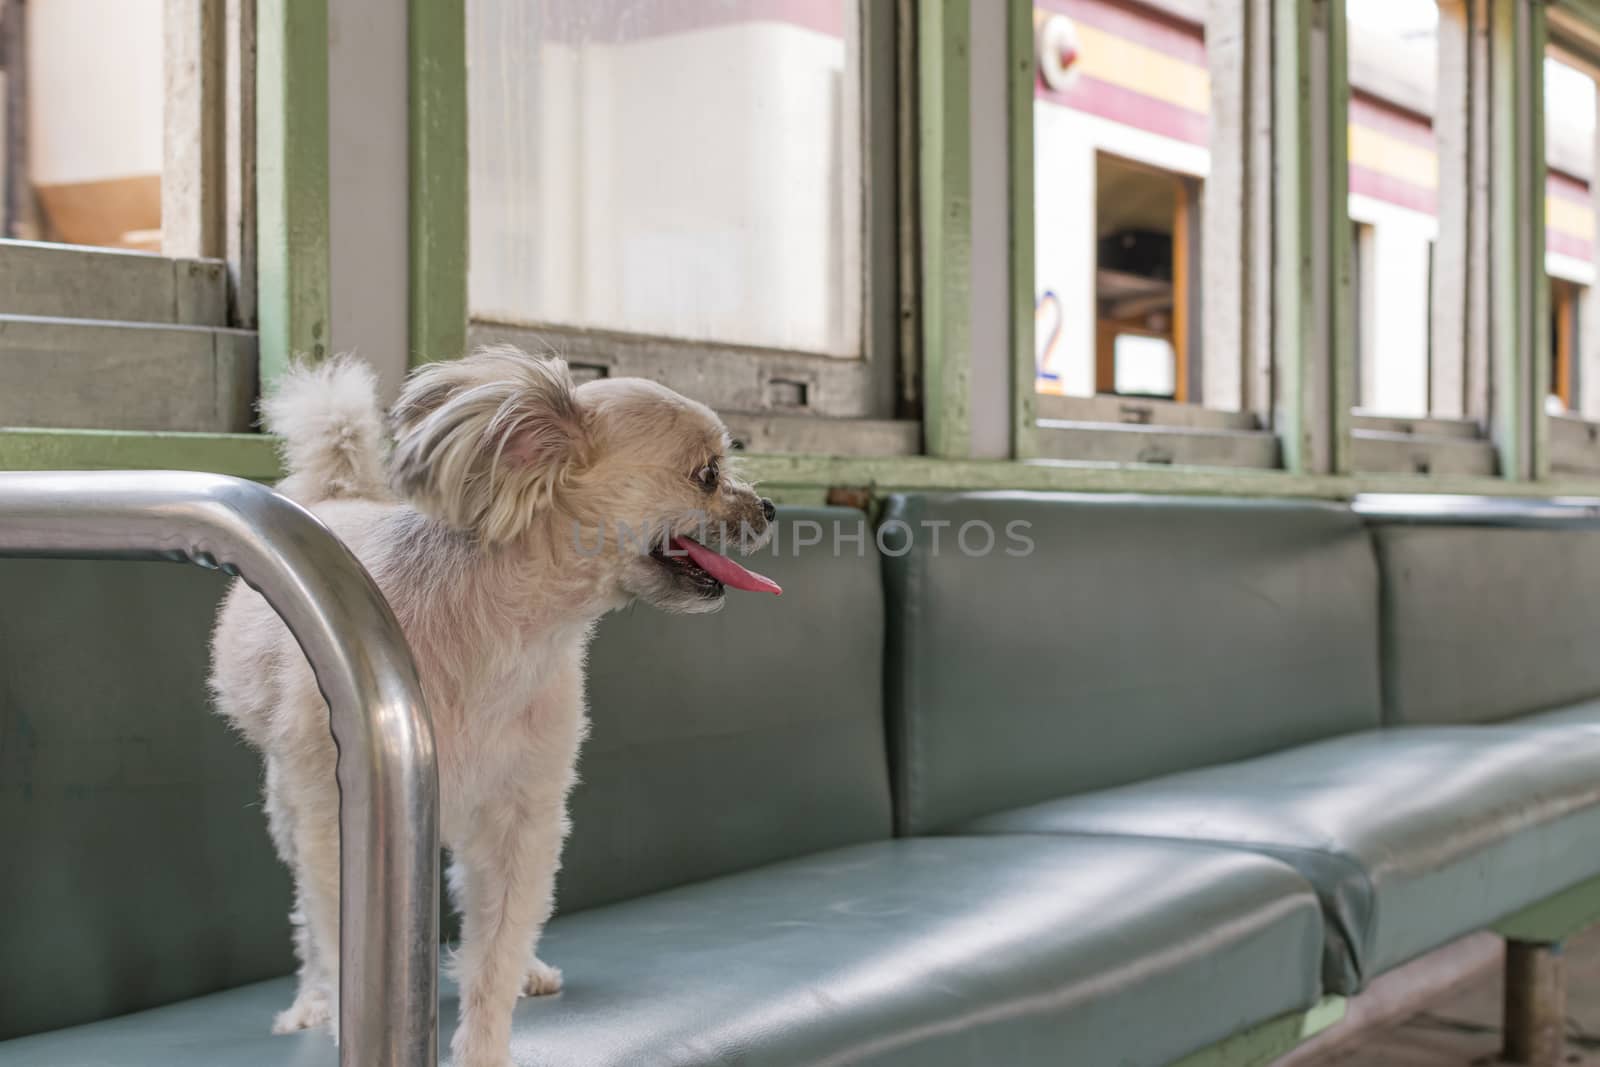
{"points": [[1573, 398], [1389, 283], [681, 189], [1411, 413], [1121, 145], [1119, 141], [1141, 281], [1565, 300], [88, 169], [612, 151], [126, 199]]}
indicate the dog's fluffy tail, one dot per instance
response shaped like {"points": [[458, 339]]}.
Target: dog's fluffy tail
{"points": [[329, 420]]}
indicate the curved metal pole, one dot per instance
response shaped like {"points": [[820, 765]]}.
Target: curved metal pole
{"points": [[388, 780]]}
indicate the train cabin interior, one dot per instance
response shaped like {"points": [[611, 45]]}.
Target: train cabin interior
{"points": [[1183, 421]]}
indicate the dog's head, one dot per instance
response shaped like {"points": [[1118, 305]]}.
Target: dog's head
{"points": [[619, 476]]}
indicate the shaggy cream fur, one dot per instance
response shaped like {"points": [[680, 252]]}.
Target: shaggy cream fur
{"points": [[504, 525]]}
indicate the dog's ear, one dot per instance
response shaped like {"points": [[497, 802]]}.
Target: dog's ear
{"points": [[487, 442]]}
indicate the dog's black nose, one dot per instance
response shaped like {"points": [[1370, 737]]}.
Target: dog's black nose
{"points": [[768, 509]]}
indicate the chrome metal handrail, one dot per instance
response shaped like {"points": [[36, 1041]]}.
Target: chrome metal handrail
{"points": [[388, 778]]}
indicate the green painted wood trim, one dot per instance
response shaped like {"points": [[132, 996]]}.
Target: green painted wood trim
{"points": [[1586, 10], [242, 455], [1505, 418], [1341, 394], [1519, 289], [1531, 56], [1024, 375], [945, 179], [1311, 327], [254, 456], [916, 473], [292, 182], [1582, 17], [1293, 295], [438, 159], [1264, 1043], [1556, 918], [1509, 399]]}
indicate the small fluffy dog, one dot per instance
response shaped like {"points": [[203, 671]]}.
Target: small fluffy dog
{"points": [[514, 511]]}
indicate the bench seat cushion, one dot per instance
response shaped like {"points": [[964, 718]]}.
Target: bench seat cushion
{"points": [[1003, 950], [1583, 713], [1412, 836]]}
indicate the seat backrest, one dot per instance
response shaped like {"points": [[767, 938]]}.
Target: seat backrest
{"points": [[1109, 639], [137, 868], [722, 742], [1481, 624]]}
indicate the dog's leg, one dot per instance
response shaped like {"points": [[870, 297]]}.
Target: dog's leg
{"points": [[313, 1001], [506, 882], [312, 796], [314, 992]]}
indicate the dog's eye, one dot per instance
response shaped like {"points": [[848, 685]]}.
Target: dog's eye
{"points": [[708, 476]]}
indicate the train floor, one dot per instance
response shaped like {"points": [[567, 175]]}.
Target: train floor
{"points": [[1463, 1029]]}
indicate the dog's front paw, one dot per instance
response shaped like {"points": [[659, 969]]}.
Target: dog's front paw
{"points": [[541, 980], [311, 1008], [478, 1053], [483, 1059]]}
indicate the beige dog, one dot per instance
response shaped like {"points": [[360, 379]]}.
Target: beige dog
{"points": [[515, 510]]}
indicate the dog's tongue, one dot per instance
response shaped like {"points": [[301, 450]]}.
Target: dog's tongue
{"points": [[724, 569]]}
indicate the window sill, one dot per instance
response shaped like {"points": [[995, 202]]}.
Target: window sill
{"points": [[1380, 452], [1574, 446], [1418, 445], [1187, 446], [920, 473], [252, 456]]}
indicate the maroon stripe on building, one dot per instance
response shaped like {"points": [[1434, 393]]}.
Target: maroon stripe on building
{"points": [[1095, 97], [1563, 243], [1397, 191], [1385, 118], [1563, 186]]}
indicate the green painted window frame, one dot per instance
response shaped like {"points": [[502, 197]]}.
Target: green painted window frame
{"points": [[168, 334], [1573, 440], [1313, 353], [1291, 42], [437, 54], [291, 182], [292, 106]]}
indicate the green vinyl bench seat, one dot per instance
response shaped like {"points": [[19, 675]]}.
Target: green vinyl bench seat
{"points": [[1156, 786], [1210, 671], [1411, 836], [921, 953], [733, 890], [1584, 713]]}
